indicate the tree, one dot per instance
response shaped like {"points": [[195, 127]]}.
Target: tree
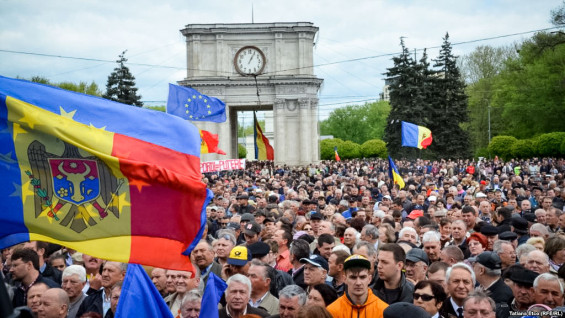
{"points": [[121, 85], [373, 148], [450, 105], [407, 101], [530, 88], [558, 15], [81, 87], [357, 123], [480, 69]]}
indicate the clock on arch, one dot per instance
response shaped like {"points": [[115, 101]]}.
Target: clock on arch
{"points": [[249, 60]]}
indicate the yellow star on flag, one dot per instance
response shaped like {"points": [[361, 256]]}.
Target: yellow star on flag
{"points": [[209, 112], [190, 116], [205, 100], [68, 115], [207, 106], [193, 96], [200, 96]]}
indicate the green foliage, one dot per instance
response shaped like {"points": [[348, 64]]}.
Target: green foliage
{"points": [[524, 148], [562, 148], [349, 150], [327, 148], [357, 123], [241, 151], [121, 85], [530, 90], [158, 108], [482, 152], [81, 87], [549, 145], [502, 146], [374, 148]]}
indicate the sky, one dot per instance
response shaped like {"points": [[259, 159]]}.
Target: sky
{"points": [[37, 36]]}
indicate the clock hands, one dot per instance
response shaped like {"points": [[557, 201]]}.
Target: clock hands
{"points": [[251, 58]]}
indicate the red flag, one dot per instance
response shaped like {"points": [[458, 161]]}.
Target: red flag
{"points": [[209, 143], [336, 155]]}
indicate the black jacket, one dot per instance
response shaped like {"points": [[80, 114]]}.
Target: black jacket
{"points": [[405, 295], [446, 309], [298, 277], [93, 303], [222, 313], [53, 274], [20, 295], [500, 292]]}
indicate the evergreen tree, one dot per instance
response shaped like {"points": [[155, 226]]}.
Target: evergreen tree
{"points": [[450, 107], [121, 85], [407, 100]]}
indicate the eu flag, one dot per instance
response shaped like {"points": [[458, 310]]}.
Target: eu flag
{"points": [[139, 297], [188, 103]]}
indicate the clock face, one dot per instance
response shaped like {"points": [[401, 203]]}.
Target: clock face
{"points": [[249, 60]]}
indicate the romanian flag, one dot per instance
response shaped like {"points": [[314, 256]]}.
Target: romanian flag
{"points": [[336, 154], [415, 136], [209, 143], [114, 181], [394, 175], [263, 150]]}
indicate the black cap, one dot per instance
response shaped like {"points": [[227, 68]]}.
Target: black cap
{"points": [[247, 217], [524, 277], [252, 228], [520, 226], [316, 260], [507, 236], [259, 249], [316, 216], [233, 225], [488, 259], [403, 310], [242, 197], [417, 255], [489, 230]]}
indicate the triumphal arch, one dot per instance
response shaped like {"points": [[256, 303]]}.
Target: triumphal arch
{"points": [[259, 66]]}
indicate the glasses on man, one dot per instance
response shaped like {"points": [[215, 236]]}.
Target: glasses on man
{"points": [[423, 296]]}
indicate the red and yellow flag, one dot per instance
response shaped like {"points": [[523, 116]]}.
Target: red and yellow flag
{"points": [[263, 149], [209, 143]]}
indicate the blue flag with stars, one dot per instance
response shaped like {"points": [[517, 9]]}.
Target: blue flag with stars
{"points": [[189, 104]]}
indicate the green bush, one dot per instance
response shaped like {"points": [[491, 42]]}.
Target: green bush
{"points": [[549, 145], [563, 147], [502, 146], [481, 152], [241, 151], [349, 150], [327, 148], [524, 148], [374, 148]]}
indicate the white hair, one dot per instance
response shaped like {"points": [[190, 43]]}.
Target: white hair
{"points": [[463, 266], [431, 236], [380, 214], [341, 247], [75, 270], [409, 229], [238, 278], [548, 277]]}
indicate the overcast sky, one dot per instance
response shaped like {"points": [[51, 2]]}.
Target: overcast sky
{"points": [[149, 30]]}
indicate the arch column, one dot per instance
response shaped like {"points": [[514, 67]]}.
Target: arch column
{"points": [[305, 130]]}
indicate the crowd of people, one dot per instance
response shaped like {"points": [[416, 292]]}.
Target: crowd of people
{"points": [[337, 239]]}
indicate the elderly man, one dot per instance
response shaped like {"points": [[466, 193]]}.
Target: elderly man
{"points": [[260, 278], [291, 299], [370, 233], [203, 257], [460, 282], [505, 250], [522, 289], [315, 270], [409, 234], [226, 241], [548, 290], [432, 245], [159, 279], [99, 301], [487, 269], [184, 281], [237, 295], [451, 255], [191, 305], [537, 261], [54, 304], [416, 265], [479, 303], [34, 297], [74, 279]]}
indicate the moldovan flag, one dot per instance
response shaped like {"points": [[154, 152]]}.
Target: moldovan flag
{"points": [[263, 149], [393, 174], [139, 297], [110, 180], [415, 136], [209, 143], [337, 158]]}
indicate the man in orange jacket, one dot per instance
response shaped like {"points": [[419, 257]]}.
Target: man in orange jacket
{"points": [[358, 300]]}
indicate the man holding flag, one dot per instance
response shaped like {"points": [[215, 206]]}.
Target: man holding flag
{"points": [[395, 177]]}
